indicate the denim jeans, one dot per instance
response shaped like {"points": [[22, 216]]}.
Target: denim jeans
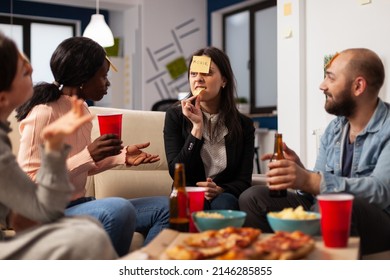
{"points": [[152, 215], [117, 215], [224, 201], [121, 217]]}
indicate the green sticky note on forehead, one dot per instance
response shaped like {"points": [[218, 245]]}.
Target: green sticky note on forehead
{"points": [[200, 64]]}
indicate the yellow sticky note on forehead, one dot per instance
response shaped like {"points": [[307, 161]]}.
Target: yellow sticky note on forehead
{"points": [[200, 64]]}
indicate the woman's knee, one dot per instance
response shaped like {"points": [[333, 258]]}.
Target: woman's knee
{"points": [[161, 203], [118, 210]]}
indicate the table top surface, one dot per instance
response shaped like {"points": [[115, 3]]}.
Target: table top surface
{"points": [[167, 238]]}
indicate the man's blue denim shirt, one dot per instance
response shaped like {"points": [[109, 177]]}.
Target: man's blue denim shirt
{"points": [[370, 174]]}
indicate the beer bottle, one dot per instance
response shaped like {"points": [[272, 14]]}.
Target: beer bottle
{"points": [[179, 216], [278, 155]]}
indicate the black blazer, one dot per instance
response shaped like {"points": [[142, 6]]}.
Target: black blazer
{"points": [[182, 147]]}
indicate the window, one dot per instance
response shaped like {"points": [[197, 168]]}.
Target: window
{"points": [[38, 38], [250, 41]]}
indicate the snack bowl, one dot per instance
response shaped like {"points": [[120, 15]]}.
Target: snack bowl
{"points": [[218, 219], [310, 226]]}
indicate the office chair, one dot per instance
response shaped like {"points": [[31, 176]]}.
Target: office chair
{"points": [[163, 105]]}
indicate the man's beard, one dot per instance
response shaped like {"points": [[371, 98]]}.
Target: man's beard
{"points": [[345, 106]]}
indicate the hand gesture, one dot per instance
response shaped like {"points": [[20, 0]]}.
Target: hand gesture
{"points": [[192, 111], [105, 146], [212, 190], [54, 133], [288, 154], [285, 174], [135, 156]]}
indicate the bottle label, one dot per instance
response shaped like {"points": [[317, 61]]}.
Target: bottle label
{"points": [[174, 193]]}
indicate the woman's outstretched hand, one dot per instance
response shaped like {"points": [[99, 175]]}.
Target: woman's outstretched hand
{"points": [[135, 156]]}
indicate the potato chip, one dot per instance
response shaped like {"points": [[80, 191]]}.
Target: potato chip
{"points": [[209, 215], [198, 91], [293, 214]]}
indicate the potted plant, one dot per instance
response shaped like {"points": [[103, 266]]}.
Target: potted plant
{"points": [[243, 105]]}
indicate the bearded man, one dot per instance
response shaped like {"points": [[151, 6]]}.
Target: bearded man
{"points": [[354, 155]]}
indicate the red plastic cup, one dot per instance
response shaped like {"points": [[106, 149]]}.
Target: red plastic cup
{"points": [[195, 202], [336, 212], [110, 124]]}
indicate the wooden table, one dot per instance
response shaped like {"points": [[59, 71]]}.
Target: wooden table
{"points": [[155, 250]]}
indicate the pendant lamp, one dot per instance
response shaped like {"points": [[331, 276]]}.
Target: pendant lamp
{"points": [[98, 30]]}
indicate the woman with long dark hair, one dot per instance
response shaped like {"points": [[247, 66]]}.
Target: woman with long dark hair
{"points": [[209, 135]]}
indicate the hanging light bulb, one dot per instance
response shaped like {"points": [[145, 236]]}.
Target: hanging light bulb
{"points": [[98, 30]]}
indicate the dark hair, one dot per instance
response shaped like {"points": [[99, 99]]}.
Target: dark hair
{"points": [[9, 55], [74, 62], [229, 113]]}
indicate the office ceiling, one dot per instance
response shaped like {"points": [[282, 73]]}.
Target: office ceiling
{"points": [[103, 4]]}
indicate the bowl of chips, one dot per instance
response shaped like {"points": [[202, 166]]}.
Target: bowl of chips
{"points": [[217, 219], [290, 219]]}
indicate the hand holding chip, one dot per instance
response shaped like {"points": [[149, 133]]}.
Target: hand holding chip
{"points": [[194, 114]]}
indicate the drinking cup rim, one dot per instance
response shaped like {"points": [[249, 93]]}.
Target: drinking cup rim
{"points": [[335, 197]]}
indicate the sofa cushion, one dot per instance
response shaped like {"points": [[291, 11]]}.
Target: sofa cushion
{"points": [[132, 183], [136, 181]]}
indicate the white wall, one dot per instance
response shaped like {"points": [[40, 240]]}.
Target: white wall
{"points": [[170, 29], [124, 24], [154, 33], [264, 138], [291, 86], [321, 27]]}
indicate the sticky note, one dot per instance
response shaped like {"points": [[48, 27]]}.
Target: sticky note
{"points": [[177, 67], [200, 64], [287, 9]]}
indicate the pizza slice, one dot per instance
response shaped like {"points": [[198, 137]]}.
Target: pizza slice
{"points": [[242, 244], [284, 246], [207, 238], [182, 252], [229, 236], [242, 237], [213, 243]]}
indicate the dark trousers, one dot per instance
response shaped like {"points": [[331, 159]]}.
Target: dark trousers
{"points": [[372, 225], [369, 222]]}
